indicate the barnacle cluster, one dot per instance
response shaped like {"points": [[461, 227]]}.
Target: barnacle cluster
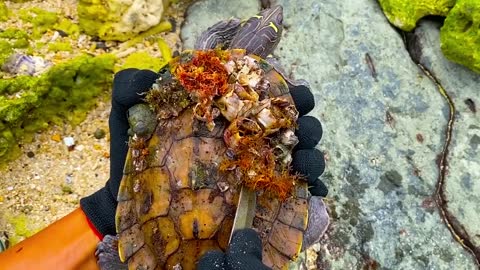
{"points": [[259, 136]]}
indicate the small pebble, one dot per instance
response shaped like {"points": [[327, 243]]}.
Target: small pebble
{"points": [[56, 137], [101, 45], [69, 142], [69, 178], [30, 154], [10, 188], [62, 33], [99, 133]]}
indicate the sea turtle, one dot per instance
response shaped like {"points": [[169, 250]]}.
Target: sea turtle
{"points": [[223, 118]]}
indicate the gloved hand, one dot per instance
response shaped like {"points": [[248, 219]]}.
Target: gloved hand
{"points": [[127, 88], [244, 253]]}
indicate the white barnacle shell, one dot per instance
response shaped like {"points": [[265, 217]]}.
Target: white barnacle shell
{"points": [[230, 66], [267, 120], [230, 105], [250, 62], [288, 138]]}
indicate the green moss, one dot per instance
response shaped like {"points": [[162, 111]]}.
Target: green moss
{"points": [[59, 46], [404, 14], [65, 93], [6, 49], [15, 37], [101, 18], [23, 226], [143, 60], [460, 34], [4, 12], [68, 27], [42, 20]]}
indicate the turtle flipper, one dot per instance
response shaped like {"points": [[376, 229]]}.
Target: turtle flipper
{"points": [[107, 254], [219, 34], [318, 221]]}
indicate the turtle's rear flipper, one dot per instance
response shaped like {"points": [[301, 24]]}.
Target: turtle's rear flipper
{"points": [[107, 254]]}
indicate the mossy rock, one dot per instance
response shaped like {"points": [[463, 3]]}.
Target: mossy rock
{"points": [[460, 34], [10, 39], [65, 93], [117, 20], [404, 14], [41, 20], [143, 60]]}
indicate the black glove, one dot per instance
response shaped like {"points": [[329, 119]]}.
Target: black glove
{"points": [[243, 253], [128, 84]]}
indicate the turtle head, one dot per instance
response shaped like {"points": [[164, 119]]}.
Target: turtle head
{"points": [[261, 33]]}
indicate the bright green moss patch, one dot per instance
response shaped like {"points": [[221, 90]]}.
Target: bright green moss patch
{"points": [[12, 38], [460, 34], [23, 227], [4, 12], [6, 49], [59, 46], [41, 20], [404, 14], [68, 27], [143, 60], [65, 93]]}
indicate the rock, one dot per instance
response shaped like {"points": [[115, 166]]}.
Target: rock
{"points": [[99, 134], [464, 156], [119, 19], [460, 34], [372, 100], [404, 14], [21, 64]]}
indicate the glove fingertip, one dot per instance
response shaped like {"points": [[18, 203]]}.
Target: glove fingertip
{"points": [[130, 83], [246, 241], [309, 132], [212, 260], [303, 99], [309, 162], [318, 188]]}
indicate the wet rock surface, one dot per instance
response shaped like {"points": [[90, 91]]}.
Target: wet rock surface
{"points": [[462, 85], [385, 125]]}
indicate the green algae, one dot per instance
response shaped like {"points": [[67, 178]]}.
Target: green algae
{"points": [[65, 93], [59, 46], [460, 34], [4, 12], [41, 20], [404, 14], [23, 227], [143, 60], [10, 39], [100, 18], [68, 27], [6, 49]]}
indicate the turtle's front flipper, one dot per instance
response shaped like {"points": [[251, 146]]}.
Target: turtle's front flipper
{"points": [[107, 254], [318, 221], [219, 34]]}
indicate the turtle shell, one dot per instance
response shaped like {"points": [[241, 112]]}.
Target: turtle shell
{"points": [[174, 201]]}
